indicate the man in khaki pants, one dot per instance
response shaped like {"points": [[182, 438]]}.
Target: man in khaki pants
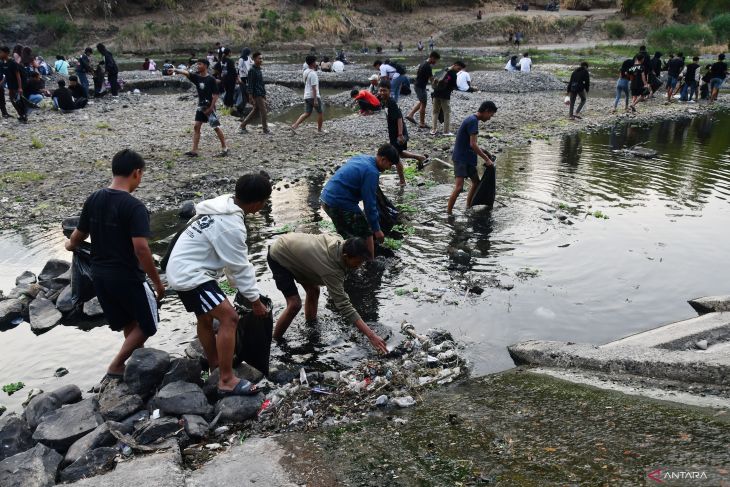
{"points": [[442, 97], [257, 95]]}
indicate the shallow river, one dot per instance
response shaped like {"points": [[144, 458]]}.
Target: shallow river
{"points": [[594, 280]]}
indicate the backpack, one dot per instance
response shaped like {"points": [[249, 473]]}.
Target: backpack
{"points": [[399, 68], [168, 252], [442, 82]]}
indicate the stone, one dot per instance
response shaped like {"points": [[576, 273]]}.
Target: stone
{"points": [[101, 436], [195, 426], [52, 269], [10, 310], [62, 427], [92, 308], [64, 302], [26, 291], [47, 402], [31, 394], [183, 369], [117, 403], [36, 467], [701, 344], [404, 402], [43, 315], [237, 409], [157, 429], [95, 462], [136, 419], [182, 398], [60, 372], [187, 209], [26, 278], [145, 370], [194, 351], [381, 400], [708, 304], [68, 394], [2, 409], [62, 281], [15, 436]]}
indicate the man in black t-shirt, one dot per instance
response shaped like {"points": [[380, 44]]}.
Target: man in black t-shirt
{"points": [[14, 80], [638, 80], [63, 98], [718, 73], [674, 69], [690, 80], [229, 77], [424, 77], [119, 227], [83, 69], [442, 97], [111, 69], [397, 130], [207, 89]]}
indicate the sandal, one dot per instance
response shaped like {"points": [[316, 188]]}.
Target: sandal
{"points": [[222, 153], [243, 388], [412, 120], [191, 154]]}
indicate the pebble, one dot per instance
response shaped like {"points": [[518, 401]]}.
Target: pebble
{"points": [[213, 446], [404, 402], [221, 430], [702, 344]]}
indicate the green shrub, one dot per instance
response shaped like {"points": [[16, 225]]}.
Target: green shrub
{"points": [[56, 24], [614, 29], [684, 37], [720, 25]]}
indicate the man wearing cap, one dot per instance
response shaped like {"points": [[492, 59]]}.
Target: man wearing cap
{"points": [[314, 261], [374, 82]]}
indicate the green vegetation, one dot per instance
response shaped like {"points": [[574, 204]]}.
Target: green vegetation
{"points": [[327, 226], [36, 143], [103, 125], [614, 29], [20, 177], [681, 37], [406, 208], [227, 288], [599, 214], [392, 243], [720, 26], [55, 24], [13, 387]]}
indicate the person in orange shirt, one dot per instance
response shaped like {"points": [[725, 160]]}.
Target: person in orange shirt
{"points": [[368, 102]]}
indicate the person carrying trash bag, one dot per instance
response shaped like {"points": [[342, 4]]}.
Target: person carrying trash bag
{"points": [[212, 243]]}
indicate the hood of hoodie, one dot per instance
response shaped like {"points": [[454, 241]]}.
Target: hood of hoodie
{"points": [[222, 205]]}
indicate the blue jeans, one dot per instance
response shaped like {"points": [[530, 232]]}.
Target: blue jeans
{"points": [[690, 86], [395, 87], [84, 82], [622, 86], [35, 98], [716, 83]]}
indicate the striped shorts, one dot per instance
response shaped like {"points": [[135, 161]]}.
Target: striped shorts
{"points": [[202, 299]]}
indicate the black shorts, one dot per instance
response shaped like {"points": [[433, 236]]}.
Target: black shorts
{"points": [[211, 119], [202, 299], [283, 277], [422, 95], [309, 105], [462, 170], [125, 302], [637, 91]]}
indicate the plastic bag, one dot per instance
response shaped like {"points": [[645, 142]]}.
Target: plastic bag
{"points": [[82, 286], [566, 100], [253, 335]]}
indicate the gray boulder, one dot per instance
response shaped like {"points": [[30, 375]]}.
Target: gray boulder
{"points": [[101, 436], [47, 402], [237, 409], [68, 394], [15, 436], [117, 403], [182, 398], [25, 291], [36, 467], [10, 309], [157, 429], [65, 303], [26, 278], [195, 426], [145, 370], [708, 304], [183, 369], [62, 427], [92, 308], [92, 463], [53, 269], [61, 281], [43, 315]]}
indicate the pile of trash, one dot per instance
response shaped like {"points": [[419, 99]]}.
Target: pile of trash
{"points": [[332, 398]]}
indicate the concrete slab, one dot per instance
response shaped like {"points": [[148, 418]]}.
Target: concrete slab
{"points": [[158, 469], [255, 463], [682, 335], [709, 304], [626, 359]]}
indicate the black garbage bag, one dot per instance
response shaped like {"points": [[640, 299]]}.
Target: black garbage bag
{"points": [[387, 211], [253, 335], [82, 286]]}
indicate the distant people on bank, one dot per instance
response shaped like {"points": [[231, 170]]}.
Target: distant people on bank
{"points": [[523, 6], [525, 63], [110, 68], [342, 57], [463, 81], [466, 153], [430, 43], [146, 64], [623, 84], [35, 89], [208, 93], [312, 95], [479, 15], [419, 46], [325, 65], [690, 75], [43, 68], [647, 70], [229, 78], [424, 77], [519, 37], [512, 64], [338, 66], [245, 61], [578, 86], [168, 68], [256, 95], [63, 99], [374, 81], [314, 261], [443, 87], [718, 74], [367, 101], [84, 69], [553, 6], [61, 66], [77, 91]]}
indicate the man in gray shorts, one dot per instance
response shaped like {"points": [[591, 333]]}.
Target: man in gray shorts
{"points": [[424, 77], [312, 98]]}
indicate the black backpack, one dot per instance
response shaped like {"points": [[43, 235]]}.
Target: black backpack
{"points": [[399, 68]]}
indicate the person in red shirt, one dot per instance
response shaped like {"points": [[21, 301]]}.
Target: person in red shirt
{"points": [[368, 102]]}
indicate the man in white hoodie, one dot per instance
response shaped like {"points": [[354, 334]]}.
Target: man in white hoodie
{"points": [[213, 243]]}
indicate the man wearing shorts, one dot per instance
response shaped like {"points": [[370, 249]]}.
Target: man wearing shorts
{"points": [[357, 180], [397, 130], [718, 73], [638, 80], [208, 93], [312, 98], [119, 226], [314, 261], [424, 77], [466, 150], [215, 242]]}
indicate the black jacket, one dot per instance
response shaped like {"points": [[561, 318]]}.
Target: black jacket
{"points": [[580, 80]]}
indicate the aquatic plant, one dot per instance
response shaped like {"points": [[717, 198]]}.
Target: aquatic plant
{"points": [[13, 387], [392, 243]]}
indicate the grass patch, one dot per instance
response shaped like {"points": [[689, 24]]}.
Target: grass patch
{"points": [[20, 177], [55, 24], [404, 229], [406, 208], [720, 26], [681, 37], [614, 29], [599, 214], [36, 143], [103, 126]]}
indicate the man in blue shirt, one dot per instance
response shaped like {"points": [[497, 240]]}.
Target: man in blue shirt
{"points": [[466, 150], [357, 181]]}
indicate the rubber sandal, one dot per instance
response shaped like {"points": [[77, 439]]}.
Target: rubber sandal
{"points": [[243, 388], [191, 154], [421, 164], [222, 153], [412, 120]]}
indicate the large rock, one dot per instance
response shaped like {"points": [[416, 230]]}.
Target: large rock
{"points": [[26, 278], [92, 308], [101, 436], [27, 291], [145, 370], [47, 402], [36, 467], [157, 429], [53, 269], [10, 309], [15, 436], [117, 403], [62, 427], [237, 409], [65, 303], [195, 426], [183, 369], [182, 398], [61, 281], [43, 315], [92, 463], [709, 304], [68, 394]]}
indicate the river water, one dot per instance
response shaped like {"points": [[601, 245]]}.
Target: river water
{"points": [[547, 262]]}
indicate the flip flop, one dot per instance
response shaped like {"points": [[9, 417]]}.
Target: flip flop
{"points": [[191, 154], [421, 164], [243, 388], [412, 120]]}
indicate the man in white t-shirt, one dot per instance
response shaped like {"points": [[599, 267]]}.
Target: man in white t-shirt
{"points": [[463, 81], [312, 98], [525, 63], [386, 70], [338, 66]]}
